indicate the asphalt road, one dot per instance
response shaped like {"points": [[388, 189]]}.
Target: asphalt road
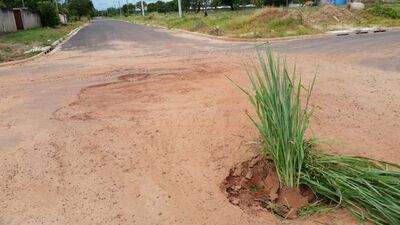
{"points": [[103, 34]]}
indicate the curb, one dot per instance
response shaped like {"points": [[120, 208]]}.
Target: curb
{"points": [[370, 30], [56, 44], [255, 40], [47, 50]]}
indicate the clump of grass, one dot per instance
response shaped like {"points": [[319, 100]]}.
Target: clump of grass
{"points": [[385, 11], [368, 188], [281, 119]]}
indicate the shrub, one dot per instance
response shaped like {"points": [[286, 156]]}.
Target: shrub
{"points": [[48, 15], [385, 11]]}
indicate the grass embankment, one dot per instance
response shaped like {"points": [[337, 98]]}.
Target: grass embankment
{"points": [[14, 45], [267, 22]]}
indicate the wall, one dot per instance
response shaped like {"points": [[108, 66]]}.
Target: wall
{"points": [[30, 19], [63, 18], [7, 21]]}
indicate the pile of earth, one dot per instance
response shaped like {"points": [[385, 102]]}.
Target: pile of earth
{"points": [[320, 18], [329, 15], [254, 183]]}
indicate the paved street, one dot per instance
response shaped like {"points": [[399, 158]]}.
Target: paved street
{"points": [[127, 124]]}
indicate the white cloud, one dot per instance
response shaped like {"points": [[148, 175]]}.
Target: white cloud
{"points": [[104, 4]]}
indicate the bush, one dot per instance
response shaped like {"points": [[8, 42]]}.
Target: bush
{"points": [[48, 15], [385, 11]]}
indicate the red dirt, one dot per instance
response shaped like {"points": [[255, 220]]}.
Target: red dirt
{"points": [[255, 183], [154, 149]]}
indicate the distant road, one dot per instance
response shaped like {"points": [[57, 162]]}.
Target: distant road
{"points": [[101, 32]]}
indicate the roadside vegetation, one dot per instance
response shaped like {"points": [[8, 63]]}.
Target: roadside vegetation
{"points": [[49, 10], [23, 44], [270, 22], [368, 188], [26, 43]]}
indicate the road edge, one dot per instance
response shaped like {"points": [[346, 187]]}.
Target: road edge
{"points": [[50, 49], [262, 40]]}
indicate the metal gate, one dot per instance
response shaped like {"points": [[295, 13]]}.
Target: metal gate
{"points": [[18, 19]]}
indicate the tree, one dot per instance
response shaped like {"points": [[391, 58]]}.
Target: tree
{"points": [[138, 5], [128, 8], [32, 4], [45, 8], [228, 2], [48, 14], [258, 3], [112, 11], [172, 6], [81, 8]]}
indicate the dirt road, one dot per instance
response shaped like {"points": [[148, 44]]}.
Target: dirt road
{"points": [[132, 125]]}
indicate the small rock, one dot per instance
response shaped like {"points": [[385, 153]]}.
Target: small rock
{"points": [[253, 162], [243, 181], [238, 170], [236, 188], [249, 175], [235, 201]]}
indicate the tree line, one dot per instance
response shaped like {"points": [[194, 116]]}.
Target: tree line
{"points": [[188, 6], [49, 9]]}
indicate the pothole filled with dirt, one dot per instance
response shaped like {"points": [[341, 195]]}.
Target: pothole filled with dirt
{"points": [[255, 183]]}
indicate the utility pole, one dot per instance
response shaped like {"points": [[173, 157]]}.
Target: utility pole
{"points": [[120, 10], [142, 7], [23, 3], [179, 8], [127, 7]]}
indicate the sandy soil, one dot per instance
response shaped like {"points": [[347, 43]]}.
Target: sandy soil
{"points": [[141, 138]]}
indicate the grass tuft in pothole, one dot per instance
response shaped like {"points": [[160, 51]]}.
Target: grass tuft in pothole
{"points": [[368, 188]]}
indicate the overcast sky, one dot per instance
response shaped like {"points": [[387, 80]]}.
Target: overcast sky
{"points": [[104, 4]]}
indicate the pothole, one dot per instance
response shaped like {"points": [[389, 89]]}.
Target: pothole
{"points": [[255, 183]]}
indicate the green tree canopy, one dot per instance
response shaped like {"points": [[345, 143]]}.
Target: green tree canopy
{"points": [[81, 8]]}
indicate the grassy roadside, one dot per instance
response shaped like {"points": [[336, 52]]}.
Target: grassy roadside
{"points": [[266, 22], [14, 45]]}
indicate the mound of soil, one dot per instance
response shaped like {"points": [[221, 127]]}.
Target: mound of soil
{"points": [[255, 183], [329, 15], [323, 17]]}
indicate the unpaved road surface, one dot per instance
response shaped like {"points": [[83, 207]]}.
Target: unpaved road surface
{"points": [[126, 124]]}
